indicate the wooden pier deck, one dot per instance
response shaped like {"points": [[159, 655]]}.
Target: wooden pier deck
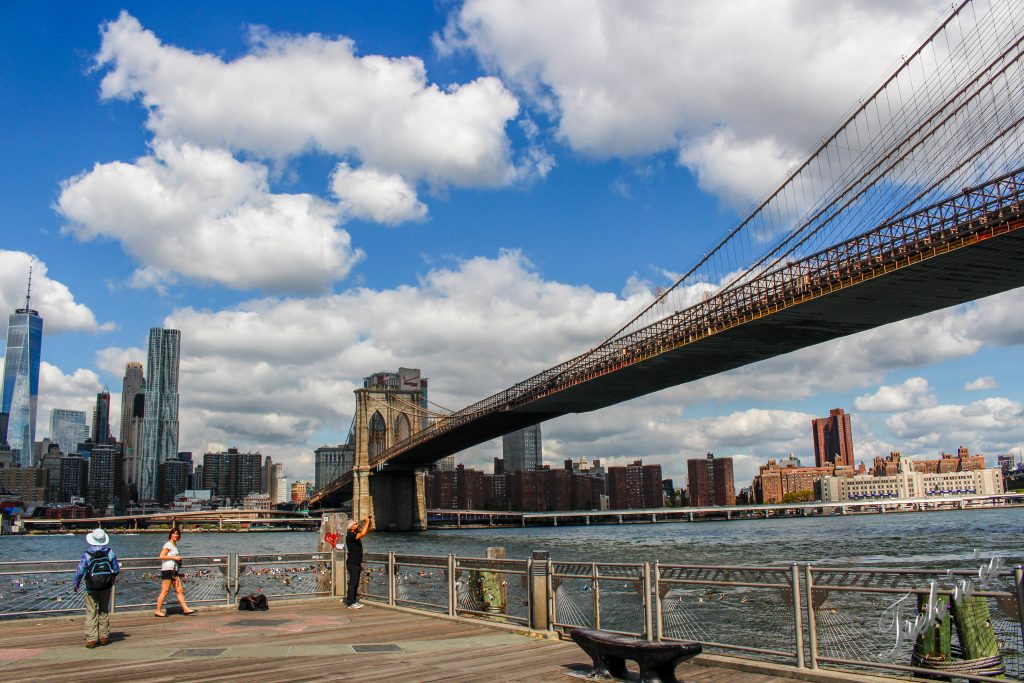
{"points": [[305, 640]]}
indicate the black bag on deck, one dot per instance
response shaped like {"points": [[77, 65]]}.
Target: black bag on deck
{"points": [[253, 602]]}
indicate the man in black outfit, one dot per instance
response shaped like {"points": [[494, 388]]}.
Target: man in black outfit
{"points": [[354, 559]]}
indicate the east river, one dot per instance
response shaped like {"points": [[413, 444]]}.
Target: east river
{"points": [[921, 540]]}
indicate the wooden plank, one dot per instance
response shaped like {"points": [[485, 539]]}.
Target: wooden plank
{"points": [[143, 647]]}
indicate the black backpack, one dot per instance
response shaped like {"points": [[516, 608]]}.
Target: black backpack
{"points": [[254, 602], [99, 571]]}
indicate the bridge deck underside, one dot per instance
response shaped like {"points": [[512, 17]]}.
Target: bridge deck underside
{"points": [[955, 277], [943, 280]]}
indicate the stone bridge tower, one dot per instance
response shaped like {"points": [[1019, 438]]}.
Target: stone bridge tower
{"points": [[395, 495]]}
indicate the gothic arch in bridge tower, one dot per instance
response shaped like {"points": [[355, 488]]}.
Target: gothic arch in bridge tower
{"points": [[402, 429], [378, 436], [394, 494]]}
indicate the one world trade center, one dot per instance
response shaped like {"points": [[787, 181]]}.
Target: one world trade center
{"points": [[21, 378]]}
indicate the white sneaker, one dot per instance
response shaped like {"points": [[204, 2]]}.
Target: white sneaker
{"points": [[356, 605]]}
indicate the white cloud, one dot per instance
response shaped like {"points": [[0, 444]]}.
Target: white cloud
{"points": [[278, 374], [982, 384], [912, 393], [735, 170], [290, 94], [76, 391], [52, 299], [375, 196], [203, 214], [990, 425], [638, 78]]}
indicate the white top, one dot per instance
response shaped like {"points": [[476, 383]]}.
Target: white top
{"points": [[171, 550]]}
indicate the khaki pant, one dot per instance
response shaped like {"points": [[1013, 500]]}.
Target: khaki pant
{"points": [[97, 614]]}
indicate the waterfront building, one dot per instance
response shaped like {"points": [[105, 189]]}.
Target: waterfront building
{"points": [[68, 428], [787, 483], [540, 490], [28, 483], [160, 427], [101, 418], [471, 489], [173, 477], [522, 449], [192, 500], [20, 395], [301, 491], [527, 489], [51, 463], [133, 384], [710, 481], [833, 439], [105, 476], [441, 491], [910, 483], [267, 475], [257, 501], [497, 491], [331, 462], [635, 487], [279, 492], [963, 461], [231, 474], [1007, 463], [74, 477]]}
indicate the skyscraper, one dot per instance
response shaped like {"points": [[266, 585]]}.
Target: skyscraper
{"points": [[68, 429], [21, 378], [134, 383], [522, 449], [133, 447], [160, 436], [833, 439], [101, 418], [331, 462]]}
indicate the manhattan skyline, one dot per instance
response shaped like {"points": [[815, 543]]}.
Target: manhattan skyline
{"points": [[516, 224]]}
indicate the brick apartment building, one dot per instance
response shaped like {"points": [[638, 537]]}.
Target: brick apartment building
{"points": [[710, 481]]}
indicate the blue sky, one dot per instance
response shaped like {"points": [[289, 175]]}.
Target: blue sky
{"points": [[314, 192]]}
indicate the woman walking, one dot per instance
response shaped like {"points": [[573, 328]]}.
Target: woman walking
{"points": [[169, 575]]}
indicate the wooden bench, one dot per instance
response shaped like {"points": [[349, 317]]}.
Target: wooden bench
{"points": [[609, 653]]}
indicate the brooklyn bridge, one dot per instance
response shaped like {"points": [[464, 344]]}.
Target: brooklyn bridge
{"points": [[911, 204]]}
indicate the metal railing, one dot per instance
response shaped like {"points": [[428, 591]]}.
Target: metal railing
{"points": [[846, 618], [283, 575], [46, 588], [490, 589]]}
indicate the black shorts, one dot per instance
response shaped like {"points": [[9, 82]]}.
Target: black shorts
{"points": [[168, 574]]}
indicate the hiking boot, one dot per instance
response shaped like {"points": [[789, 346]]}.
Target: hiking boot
{"points": [[90, 644], [104, 641]]}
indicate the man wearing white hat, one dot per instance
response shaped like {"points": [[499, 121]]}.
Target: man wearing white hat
{"points": [[98, 568]]}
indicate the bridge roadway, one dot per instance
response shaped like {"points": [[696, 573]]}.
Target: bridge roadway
{"points": [[964, 248], [448, 518]]}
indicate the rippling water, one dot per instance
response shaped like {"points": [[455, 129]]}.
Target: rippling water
{"points": [[928, 539]]}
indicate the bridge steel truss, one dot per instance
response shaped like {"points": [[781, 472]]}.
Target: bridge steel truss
{"points": [[971, 217]]}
